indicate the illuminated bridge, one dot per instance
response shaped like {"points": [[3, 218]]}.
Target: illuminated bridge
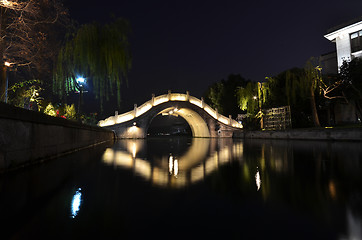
{"points": [[202, 119]]}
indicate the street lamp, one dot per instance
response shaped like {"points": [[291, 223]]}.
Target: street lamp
{"points": [[81, 81], [4, 81]]}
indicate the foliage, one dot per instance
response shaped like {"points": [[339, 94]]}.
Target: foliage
{"points": [[351, 75], [251, 123], [69, 112], [90, 119], [248, 97], [26, 94], [215, 95], [63, 111], [99, 52], [253, 96], [297, 88], [306, 90], [222, 95], [50, 110]]}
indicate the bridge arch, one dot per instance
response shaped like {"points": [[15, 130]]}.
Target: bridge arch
{"points": [[197, 124], [202, 119]]}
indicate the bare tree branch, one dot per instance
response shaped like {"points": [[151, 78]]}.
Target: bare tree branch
{"points": [[31, 32]]}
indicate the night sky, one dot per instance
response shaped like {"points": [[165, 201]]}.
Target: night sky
{"points": [[188, 45]]}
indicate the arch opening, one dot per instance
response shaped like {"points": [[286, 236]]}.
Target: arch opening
{"points": [[168, 125], [195, 122]]}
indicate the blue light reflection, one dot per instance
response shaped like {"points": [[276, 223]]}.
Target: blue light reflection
{"points": [[76, 202]]}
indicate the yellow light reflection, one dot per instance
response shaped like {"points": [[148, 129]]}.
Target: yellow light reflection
{"points": [[159, 176], [211, 163], [143, 168], [332, 189], [132, 148], [175, 168], [191, 167], [108, 156], [123, 159], [197, 173]]}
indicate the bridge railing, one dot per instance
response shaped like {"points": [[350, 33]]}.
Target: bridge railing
{"points": [[144, 108], [160, 99], [138, 111], [196, 101]]}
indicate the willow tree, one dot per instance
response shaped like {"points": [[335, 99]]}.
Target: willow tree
{"points": [[310, 83], [249, 97], [99, 52], [222, 95], [305, 84]]}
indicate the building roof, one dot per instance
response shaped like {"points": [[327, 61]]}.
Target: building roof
{"points": [[343, 29], [343, 25]]}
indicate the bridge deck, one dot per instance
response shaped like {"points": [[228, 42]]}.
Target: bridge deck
{"points": [[155, 101]]}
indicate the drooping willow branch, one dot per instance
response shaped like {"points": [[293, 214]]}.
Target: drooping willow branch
{"points": [[101, 54]]}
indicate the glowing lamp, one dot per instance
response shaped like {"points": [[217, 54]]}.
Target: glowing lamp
{"points": [[80, 80]]}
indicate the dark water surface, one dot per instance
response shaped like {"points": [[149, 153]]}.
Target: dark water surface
{"points": [[185, 188]]}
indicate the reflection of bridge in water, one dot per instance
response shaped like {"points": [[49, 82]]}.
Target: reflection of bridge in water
{"points": [[176, 171], [202, 119]]}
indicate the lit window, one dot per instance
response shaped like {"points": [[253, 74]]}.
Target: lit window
{"points": [[354, 35], [356, 41]]}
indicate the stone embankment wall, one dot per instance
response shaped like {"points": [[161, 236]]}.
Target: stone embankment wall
{"points": [[337, 134], [27, 137]]}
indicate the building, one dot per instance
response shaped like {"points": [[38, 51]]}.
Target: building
{"points": [[329, 63], [348, 39]]}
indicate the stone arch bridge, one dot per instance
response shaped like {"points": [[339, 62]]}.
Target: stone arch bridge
{"points": [[202, 119]]}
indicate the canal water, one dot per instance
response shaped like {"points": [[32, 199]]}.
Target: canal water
{"points": [[189, 188]]}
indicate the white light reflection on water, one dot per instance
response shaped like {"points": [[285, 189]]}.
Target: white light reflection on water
{"points": [[76, 202], [257, 180], [170, 164], [173, 166]]}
